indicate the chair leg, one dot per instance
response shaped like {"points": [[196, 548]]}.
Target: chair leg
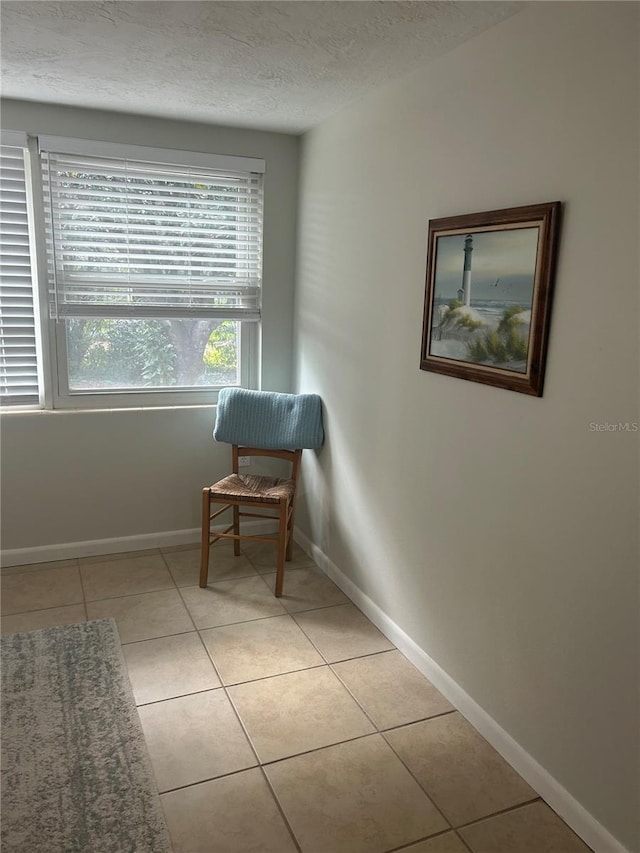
{"points": [[206, 537], [282, 546], [236, 530], [289, 553]]}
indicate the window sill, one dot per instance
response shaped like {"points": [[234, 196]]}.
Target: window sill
{"points": [[16, 410]]}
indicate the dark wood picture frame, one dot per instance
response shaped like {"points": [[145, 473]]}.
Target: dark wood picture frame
{"points": [[488, 295]]}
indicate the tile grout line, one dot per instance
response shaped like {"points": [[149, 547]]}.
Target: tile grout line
{"points": [[160, 637], [243, 726], [168, 568], [179, 696], [500, 812], [117, 557], [322, 655], [381, 730], [34, 568], [232, 773], [280, 808], [131, 594], [276, 675], [208, 779], [43, 609], [319, 749], [257, 757], [84, 595], [210, 658], [417, 781], [420, 720], [410, 844], [456, 827], [462, 841], [3, 578], [184, 604], [362, 708], [262, 618]]}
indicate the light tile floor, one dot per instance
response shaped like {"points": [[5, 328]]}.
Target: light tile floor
{"points": [[289, 724]]}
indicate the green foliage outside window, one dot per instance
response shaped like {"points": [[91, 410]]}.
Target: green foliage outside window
{"points": [[111, 353]]}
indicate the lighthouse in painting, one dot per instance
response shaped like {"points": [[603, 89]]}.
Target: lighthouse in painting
{"points": [[466, 273]]}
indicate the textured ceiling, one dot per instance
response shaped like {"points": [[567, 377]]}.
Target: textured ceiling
{"points": [[272, 65]]}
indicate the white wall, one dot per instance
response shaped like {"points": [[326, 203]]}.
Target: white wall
{"points": [[496, 529], [112, 474]]}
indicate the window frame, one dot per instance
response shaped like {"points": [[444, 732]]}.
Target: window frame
{"points": [[51, 333]]}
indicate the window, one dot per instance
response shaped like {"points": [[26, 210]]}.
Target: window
{"points": [[18, 343], [154, 264]]}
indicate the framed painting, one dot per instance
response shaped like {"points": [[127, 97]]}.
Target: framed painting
{"points": [[488, 295]]}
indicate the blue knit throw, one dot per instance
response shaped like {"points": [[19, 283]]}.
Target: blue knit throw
{"points": [[268, 419]]}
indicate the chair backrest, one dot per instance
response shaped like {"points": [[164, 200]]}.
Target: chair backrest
{"points": [[292, 456], [268, 420]]}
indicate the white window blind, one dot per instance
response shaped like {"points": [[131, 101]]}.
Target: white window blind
{"points": [[18, 352], [129, 238]]}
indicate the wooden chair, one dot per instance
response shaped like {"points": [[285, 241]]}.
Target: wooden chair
{"points": [[260, 424]]}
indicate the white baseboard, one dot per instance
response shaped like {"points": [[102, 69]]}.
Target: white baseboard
{"points": [[97, 547], [560, 800]]}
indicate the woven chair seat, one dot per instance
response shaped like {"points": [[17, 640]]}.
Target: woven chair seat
{"points": [[253, 487]]}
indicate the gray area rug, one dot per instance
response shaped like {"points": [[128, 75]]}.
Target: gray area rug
{"points": [[76, 774]]}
